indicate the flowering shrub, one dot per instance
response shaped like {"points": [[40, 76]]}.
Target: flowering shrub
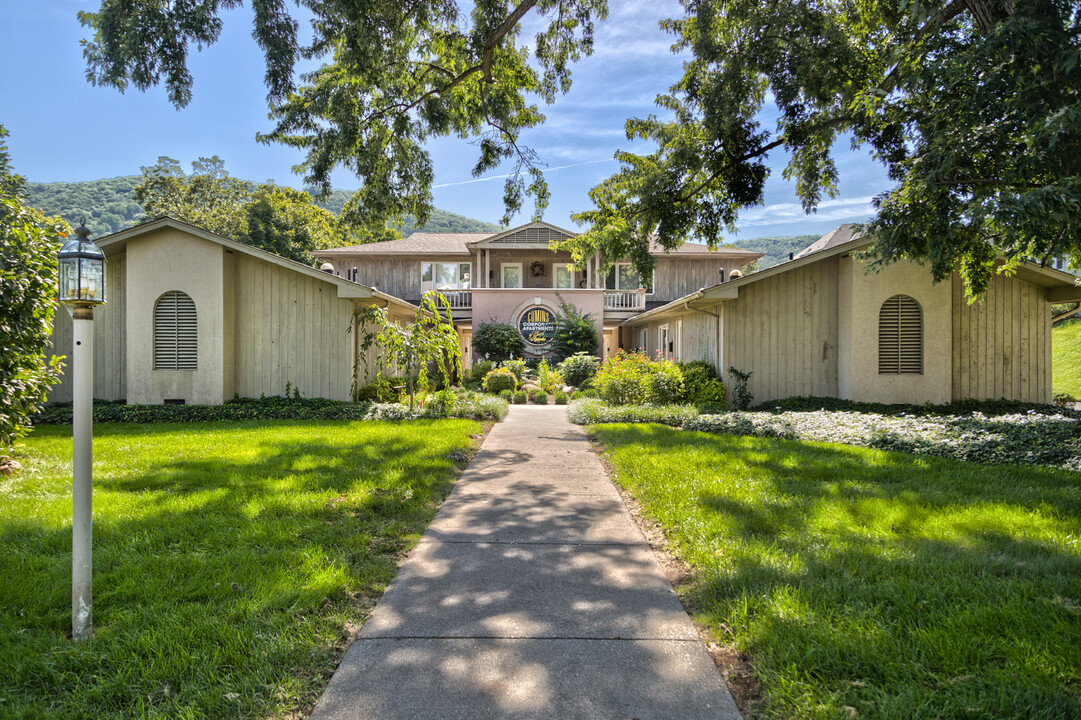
{"points": [[634, 379], [499, 380], [516, 366]]}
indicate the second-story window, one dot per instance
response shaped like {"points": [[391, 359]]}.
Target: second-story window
{"points": [[563, 275], [623, 276], [444, 276]]}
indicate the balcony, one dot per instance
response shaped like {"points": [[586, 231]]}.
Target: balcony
{"points": [[614, 300]]}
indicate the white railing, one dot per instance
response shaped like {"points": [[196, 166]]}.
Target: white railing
{"points": [[458, 299], [625, 300]]}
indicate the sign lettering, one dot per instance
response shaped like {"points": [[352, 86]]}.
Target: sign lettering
{"points": [[537, 325]]}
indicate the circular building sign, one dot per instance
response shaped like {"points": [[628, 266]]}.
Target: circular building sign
{"points": [[537, 325]]}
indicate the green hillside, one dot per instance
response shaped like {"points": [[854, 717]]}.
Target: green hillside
{"points": [[776, 249], [109, 206], [1066, 357]]}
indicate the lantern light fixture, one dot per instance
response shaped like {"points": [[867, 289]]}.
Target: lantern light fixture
{"points": [[82, 270]]}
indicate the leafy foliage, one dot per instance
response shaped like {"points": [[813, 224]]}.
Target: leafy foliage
{"points": [[28, 280], [578, 369], [394, 76], [108, 204], [700, 383], [971, 106], [284, 221], [269, 408], [634, 379], [209, 198], [498, 342], [430, 340], [575, 332], [741, 395], [520, 397], [500, 380], [775, 249], [592, 411], [550, 379]]}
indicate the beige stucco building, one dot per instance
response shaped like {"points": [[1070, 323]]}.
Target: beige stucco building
{"points": [[195, 317], [825, 325], [502, 277]]}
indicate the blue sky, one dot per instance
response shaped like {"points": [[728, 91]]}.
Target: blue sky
{"points": [[63, 129]]}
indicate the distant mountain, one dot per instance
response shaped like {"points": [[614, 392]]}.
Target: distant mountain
{"points": [[440, 221], [109, 206], [776, 249]]}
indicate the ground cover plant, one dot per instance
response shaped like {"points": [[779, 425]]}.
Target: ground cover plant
{"points": [[1066, 358], [231, 560], [864, 583], [993, 433]]}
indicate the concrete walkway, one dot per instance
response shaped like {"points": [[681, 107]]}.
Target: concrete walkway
{"points": [[532, 595]]}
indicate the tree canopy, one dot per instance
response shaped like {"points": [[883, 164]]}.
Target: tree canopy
{"points": [[972, 105], [393, 76]]}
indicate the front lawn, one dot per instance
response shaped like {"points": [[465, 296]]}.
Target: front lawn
{"points": [[1066, 358], [871, 584], [231, 560]]}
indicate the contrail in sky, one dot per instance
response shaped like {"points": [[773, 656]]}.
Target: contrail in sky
{"points": [[507, 175]]}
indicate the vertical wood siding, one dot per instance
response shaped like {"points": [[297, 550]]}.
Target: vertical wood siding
{"points": [[783, 329], [110, 338], [290, 328], [674, 277], [1002, 344]]}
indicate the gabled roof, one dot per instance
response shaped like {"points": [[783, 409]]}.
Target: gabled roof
{"points": [[117, 242], [838, 236]]}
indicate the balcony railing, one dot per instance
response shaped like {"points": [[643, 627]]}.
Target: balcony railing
{"points": [[458, 299], [618, 300], [625, 300]]}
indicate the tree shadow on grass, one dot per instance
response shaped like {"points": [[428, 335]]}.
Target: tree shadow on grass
{"points": [[222, 584], [900, 586]]}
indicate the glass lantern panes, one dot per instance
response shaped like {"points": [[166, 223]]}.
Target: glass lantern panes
{"points": [[82, 271]]}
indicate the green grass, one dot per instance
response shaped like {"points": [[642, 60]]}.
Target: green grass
{"points": [[872, 584], [1066, 357], [230, 560]]}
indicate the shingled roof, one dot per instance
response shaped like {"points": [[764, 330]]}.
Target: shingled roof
{"points": [[458, 244]]}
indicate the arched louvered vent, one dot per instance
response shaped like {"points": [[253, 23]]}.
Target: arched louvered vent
{"points": [[175, 332], [900, 337]]}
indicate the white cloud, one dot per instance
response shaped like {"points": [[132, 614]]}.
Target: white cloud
{"points": [[507, 175], [856, 208]]}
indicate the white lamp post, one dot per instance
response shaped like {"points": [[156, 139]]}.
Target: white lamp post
{"points": [[82, 286]]}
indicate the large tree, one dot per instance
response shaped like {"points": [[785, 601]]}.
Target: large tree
{"points": [[972, 106], [209, 197], [394, 75], [28, 245]]}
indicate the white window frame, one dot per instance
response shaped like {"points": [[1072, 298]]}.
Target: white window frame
{"points": [[614, 274], [465, 275], [503, 275], [556, 267]]}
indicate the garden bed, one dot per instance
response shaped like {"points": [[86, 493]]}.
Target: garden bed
{"points": [[1015, 435]]}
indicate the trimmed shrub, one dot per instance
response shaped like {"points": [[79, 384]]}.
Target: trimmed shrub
{"points": [[700, 383], [507, 395], [498, 380], [520, 397], [561, 398], [498, 341], [579, 368], [540, 397]]}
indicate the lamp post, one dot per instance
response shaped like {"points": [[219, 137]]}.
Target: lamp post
{"points": [[82, 286]]}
